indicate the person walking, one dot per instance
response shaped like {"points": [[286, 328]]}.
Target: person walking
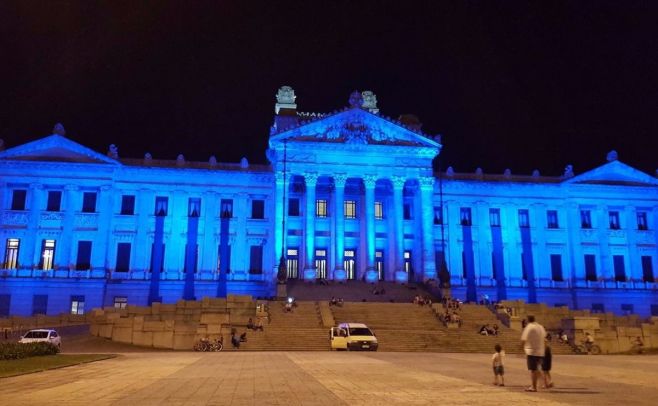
{"points": [[547, 364], [498, 363], [532, 342]]}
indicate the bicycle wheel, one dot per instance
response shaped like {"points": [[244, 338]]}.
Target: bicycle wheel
{"points": [[218, 346], [595, 350]]}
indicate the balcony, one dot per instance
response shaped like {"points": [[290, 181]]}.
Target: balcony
{"points": [[86, 221], [51, 219], [14, 218]]}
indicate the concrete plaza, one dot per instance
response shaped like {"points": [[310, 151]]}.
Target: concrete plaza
{"points": [[329, 378]]}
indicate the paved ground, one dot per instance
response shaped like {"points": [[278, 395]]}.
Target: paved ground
{"points": [[329, 378]]}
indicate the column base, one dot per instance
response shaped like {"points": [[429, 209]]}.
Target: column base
{"points": [[372, 276], [340, 275], [310, 274], [401, 277]]}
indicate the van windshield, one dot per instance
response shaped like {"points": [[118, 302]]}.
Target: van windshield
{"points": [[360, 331]]}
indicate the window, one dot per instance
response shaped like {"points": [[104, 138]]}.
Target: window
{"points": [[642, 221], [161, 205], [228, 259], [407, 261], [193, 207], [524, 218], [128, 205], [83, 261], [627, 309], [292, 263], [256, 259], [258, 209], [590, 268], [551, 219], [152, 264], [598, 308], [77, 305], [39, 304], [321, 263], [438, 215], [226, 209], [18, 199], [123, 257], [321, 208], [5, 304], [379, 264], [89, 202], [614, 220], [120, 302], [585, 219], [654, 309], [465, 216], [349, 263], [350, 209], [54, 200], [11, 253], [618, 265], [556, 267], [406, 211], [293, 207], [379, 211], [494, 217], [647, 269], [47, 254]]}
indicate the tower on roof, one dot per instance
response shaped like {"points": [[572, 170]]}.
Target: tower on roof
{"points": [[285, 99]]}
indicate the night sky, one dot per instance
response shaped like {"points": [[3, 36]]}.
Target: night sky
{"points": [[518, 85]]}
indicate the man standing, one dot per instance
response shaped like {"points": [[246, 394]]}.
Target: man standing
{"points": [[532, 342]]}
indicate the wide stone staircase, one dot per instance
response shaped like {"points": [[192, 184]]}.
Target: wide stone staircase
{"points": [[299, 330]]}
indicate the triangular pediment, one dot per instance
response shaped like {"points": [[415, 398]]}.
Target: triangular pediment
{"points": [[355, 126], [55, 148], [614, 173]]}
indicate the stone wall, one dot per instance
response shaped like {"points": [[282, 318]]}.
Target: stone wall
{"points": [[174, 326]]}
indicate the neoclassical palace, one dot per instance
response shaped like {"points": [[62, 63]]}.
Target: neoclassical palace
{"points": [[350, 194]]}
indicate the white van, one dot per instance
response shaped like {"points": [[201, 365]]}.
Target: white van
{"points": [[352, 337]]}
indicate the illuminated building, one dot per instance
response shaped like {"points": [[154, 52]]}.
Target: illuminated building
{"points": [[82, 229]]}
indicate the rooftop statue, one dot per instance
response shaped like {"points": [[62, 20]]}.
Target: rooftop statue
{"points": [[285, 95], [356, 100], [244, 164], [180, 160], [212, 161], [113, 151], [450, 171], [2, 144], [507, 173], [147, 157], [535, 173], [568, 171], [370, 101], [612, 156], [479, 173], [59, 129]]}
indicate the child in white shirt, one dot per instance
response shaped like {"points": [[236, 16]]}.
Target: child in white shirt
{"points": [[498, 362]]}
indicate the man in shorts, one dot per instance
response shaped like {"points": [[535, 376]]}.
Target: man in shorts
{"points": [[532, 342]]}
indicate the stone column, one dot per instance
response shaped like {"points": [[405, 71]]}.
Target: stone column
{"points": [[241, 210], [145, 209], [105, 215], [339, 217], [369, 182], [602, 224], [63, 260], [311, 179], [427, 205], [630, 226], [398, 204], [29, 258], [210, 247], [541, 257], [278, 218], [574, 244], [484, 252]]}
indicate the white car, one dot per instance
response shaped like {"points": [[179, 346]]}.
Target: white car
{"points": [[42, 336], [353, 337]]}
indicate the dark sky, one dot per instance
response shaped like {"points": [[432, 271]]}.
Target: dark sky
{"points": [[524, 85]]}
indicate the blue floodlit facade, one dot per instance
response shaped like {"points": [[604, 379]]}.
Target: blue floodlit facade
{"points": [[347, 195]]}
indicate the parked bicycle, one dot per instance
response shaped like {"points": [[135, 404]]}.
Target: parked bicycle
{"points": [[207, 345], [587, 348]]}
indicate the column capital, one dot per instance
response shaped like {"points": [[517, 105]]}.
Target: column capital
{"points": [[340, 179], [398, 181], [279, 177], [105, 188], [36, 186], [71, 188], [426, 182], [311, 178], [369, 181]]}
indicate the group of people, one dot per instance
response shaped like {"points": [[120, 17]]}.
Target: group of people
{"points": [[257, 326], [421, 301], [452, 317], [485, 330], [451, 304], [336, 302], [539, 358]]}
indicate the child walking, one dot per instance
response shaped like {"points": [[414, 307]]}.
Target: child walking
{"points": [[547, 364], [498, 362]]}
